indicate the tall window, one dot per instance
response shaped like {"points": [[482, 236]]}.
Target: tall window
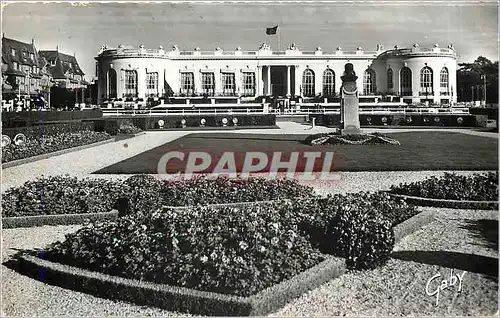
{"points": [[32, 56], [308, 83], [426, 81], [390, 83], [208, 83], [187, 83], [328, 83], [228, 85], [248, 84], [152, 84], [444, 80], [13, 52], [369, 82], [15, 65], [130, 83], [405, 81]]}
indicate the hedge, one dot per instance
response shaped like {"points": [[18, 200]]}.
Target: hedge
{"points": [[59, 219], [443, 120], [43, 129], [111, 124], [177, 298], [446, 203], [23, 119]]}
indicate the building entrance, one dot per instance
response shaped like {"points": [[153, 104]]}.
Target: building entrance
{"points": [[278, 81]]}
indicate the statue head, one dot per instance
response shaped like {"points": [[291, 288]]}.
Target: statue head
{"points": [[349, 69], [349, 74]]}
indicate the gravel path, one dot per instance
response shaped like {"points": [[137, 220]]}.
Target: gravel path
{"points": [[398, 288]]}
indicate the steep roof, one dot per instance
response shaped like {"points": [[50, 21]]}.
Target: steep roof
{"points": [[63, 64], [22, 54]]}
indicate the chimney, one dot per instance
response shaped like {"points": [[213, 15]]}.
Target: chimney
{"points": [[32, 41], [57, 48]]}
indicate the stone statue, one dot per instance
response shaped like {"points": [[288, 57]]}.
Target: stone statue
{"points": [[380, 47], [349, 103], [349, 74], [264, 46]]}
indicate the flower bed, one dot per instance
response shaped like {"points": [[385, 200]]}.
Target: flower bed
{"points": [[128, 129], [43, 129], [251, 252], [35, 146], [229, 251], [68, 195], [477, 187], [359, 139]]}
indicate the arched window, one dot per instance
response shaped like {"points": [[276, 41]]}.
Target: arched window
{"points": [[405, 81], [130, 83], [426, 81], [444, 79], [187, 83], [328, 82], [390, 83], [111, 83], [308, 83], [208, 83], [248, 84], [369, 82]]}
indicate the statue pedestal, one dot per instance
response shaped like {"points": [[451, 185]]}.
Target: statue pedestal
{"points": [[349, 106]]}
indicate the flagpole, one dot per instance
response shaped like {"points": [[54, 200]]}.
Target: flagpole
{"points": [[279, 39]]}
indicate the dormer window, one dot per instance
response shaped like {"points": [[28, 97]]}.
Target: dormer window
{"points": [[53, 63], [32, 56], [25, 54], [16, 66], [13, 52]]}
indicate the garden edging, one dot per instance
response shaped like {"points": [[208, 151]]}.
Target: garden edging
{"points": [[413, 224], [56, 219], [446, 203], [53, 154], [179, 298]]}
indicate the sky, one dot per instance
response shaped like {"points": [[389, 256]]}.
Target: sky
{"points": [[82, 29]]}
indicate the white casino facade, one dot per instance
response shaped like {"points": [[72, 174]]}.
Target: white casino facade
{"points": [[413, 74]]}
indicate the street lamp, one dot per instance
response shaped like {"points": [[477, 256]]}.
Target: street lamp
{"points": [[483, 77]]}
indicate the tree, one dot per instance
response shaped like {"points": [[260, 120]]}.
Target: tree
{"points": [[470, 80]]}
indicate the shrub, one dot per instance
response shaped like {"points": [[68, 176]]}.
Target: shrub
{"points": [[477, 187], [61, 195], [229, 250], [39, 145], [128, 128], [64, 194], [144, 194], [364, 237], [202, 190], [356, 226]]}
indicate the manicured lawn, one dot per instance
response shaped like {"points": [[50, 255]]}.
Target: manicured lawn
{"points": [[418, 151]]}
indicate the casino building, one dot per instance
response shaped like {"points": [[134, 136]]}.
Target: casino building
{"points": [[411, 75]]}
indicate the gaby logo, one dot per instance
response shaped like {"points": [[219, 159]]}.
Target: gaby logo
{"points": [[437, 283], [298, 165]]}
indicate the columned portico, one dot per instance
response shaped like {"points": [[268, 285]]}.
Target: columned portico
{"points": [[288, 81], [269, 80]]}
